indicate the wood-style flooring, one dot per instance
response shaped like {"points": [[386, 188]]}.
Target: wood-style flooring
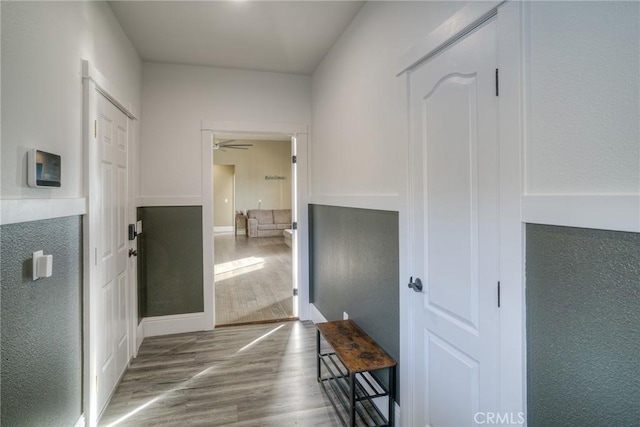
{"points": [[253, 280], [252, 375]]}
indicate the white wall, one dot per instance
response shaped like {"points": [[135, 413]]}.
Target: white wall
{"points": [[583, 91], [177, 98], [223, 191], [359, 121], [582, 99], [265, 158], [43, 44]]}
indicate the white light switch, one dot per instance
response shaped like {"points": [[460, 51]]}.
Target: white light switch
{"points": [[42, 265]]}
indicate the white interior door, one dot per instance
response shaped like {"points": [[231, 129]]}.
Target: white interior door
{"points": [[454, 178], [294, 231], [111, 292]]}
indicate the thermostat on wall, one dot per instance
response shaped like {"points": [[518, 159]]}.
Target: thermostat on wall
{"points": [[44, 169]]}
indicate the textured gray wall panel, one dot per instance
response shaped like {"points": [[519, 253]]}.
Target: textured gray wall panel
{"points": [[41, 324], [583, 327], [354, 267], [170, 264]]}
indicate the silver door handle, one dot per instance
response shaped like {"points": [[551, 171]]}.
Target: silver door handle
{"points": [[417, 285]]}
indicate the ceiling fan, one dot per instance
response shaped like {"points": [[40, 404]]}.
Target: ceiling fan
{"points": [[221, 145]]}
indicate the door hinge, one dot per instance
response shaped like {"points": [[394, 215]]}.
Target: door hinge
{"points": [[294, 159], [95, 128], [96, 256], [295, 292], [294, 225], [497, 83], [498, 294], [96, 383]]}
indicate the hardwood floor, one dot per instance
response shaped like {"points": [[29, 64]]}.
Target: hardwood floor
{"points": [[252, 375], [253, 280]]}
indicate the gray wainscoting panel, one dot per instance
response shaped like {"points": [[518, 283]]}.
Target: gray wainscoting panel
{"points": [[583, 327], [41, 350], [170, 260], [354, 268]]}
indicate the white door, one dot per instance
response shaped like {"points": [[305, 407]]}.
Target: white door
{"points": [[111, 295], [294, 219], [454, 181]]}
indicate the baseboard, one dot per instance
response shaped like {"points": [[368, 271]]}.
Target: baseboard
{"points": [[173, 324], [223, 229], [80, 422], [139, 335], [316, 316]]}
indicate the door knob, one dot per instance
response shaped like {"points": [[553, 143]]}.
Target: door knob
{"points": [[132, 252], [417, 285]]}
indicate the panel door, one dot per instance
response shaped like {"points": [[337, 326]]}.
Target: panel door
{"points": [[112, 252], [454, 182]]}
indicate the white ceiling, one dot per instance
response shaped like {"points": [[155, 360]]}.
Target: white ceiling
{"points": [[278, 36]]}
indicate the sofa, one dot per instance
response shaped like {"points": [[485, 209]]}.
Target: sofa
{"points": [[268, 222]]}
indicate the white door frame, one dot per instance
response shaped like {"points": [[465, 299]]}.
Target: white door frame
{"points": [[94, 82], [285, 130], [511, 125]]}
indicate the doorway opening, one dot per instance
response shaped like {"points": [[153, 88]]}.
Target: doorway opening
{"points": [[253, 211]]}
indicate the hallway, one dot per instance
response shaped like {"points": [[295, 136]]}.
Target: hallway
{"points": [[253, 375], [252, 279]]}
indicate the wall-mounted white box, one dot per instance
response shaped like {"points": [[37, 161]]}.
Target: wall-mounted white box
{"points": [[42, 265]]}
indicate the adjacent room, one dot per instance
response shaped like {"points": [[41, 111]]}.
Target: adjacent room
{"points": [[252, 220]]}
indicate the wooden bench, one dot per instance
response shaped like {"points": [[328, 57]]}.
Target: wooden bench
{"points": [[344, 372]]}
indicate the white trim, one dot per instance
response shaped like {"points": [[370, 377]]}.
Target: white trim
{"points": [[300, 238], [80, 422], [257, 128], [208, 267], [210, 129], [139, 335], [384, 202], [149, 201], [316, 316], [451, 30], [605, 212], [89, 233], [511, 133], [224, 229], [14, 211], [108, 90], [173, 324]]}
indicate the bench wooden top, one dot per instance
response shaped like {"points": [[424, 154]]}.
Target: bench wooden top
{"points": [[355, 349]]}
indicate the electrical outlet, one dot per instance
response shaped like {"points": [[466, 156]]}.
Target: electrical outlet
{"points": [[345, 315]]}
